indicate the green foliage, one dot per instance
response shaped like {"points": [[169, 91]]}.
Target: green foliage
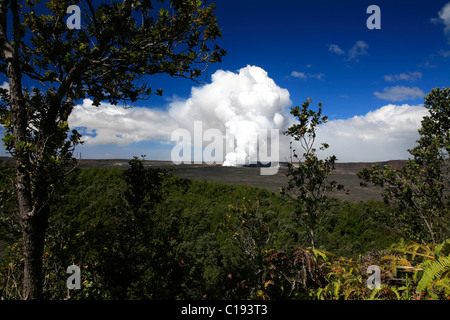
{"points": [[308, 178], [436, 278], [8, 204], [11, 271], [204, 240], [119, 44], [144, 186], [345, 281], [420, 189], [409, 272], [436, 272], [108, 59], [353, 229], [143, 233], [294, 273]]}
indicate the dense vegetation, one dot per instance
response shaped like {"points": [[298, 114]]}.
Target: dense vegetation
{"points": [[112, 57], [147, 234]]}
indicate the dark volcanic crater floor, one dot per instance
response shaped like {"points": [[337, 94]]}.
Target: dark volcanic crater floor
{"points": [[345, 173]]}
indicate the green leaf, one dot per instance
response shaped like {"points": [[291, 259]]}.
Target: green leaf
{"points": [[434, 271]]}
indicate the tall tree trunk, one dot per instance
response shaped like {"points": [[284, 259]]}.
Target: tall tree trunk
{"points": [[33, 231], [33, 214]]}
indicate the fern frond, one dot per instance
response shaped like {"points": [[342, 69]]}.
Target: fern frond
{"points": [[389, 258], [439, 247], [348, 292], [323, 254], [321, 293], [337, 288], [427, 254], [444, 284], [433, 271], [373, 294], [414, 248]]}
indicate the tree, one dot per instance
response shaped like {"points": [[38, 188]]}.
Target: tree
{"points": [[419, 190], [108, 59], [309, 179], [145, 186], [252, 234]]}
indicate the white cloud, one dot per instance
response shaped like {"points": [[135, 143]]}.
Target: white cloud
{"points": [[360, 48], [335, 49], [400, 93], [5, 85], [444, 54], [383, 134], [243, 102], [411, 76], [240, 102], [109, 124], [444, 16], [302, 75]]}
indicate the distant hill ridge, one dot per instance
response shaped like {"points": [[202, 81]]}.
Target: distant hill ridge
{"points": [[341, 167], [345, 173]]}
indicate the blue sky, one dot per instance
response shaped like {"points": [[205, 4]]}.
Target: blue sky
{"points": [[285, 36], [371, 82]]}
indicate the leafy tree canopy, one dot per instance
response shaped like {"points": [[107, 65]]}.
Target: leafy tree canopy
{"points": [[50, 67]]}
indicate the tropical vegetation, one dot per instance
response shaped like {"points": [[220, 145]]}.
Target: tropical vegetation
{"points": [[206, 240], [145, 233]]}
